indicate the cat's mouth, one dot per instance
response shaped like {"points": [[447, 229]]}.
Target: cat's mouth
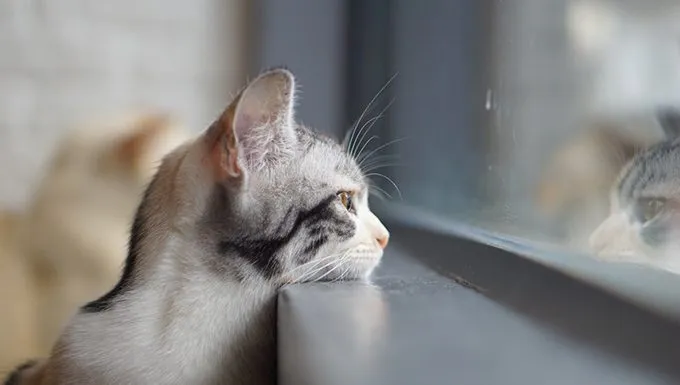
{"points": [[362, 263], [366, 261], [366, 252], [617, 239], [613, 236]]}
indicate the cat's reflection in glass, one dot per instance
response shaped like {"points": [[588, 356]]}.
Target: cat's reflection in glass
{"points": [[644, 222]]}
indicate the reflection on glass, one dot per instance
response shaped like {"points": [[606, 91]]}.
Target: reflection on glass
{"points": [[530, 129], [599, 103]]}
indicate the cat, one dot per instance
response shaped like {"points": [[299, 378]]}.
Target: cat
{"points": [[253, 203], [643, 225], [76, 223], [573, 192]]}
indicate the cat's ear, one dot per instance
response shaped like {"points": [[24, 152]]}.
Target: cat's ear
{"points": [[669, 120], [257, 129]]}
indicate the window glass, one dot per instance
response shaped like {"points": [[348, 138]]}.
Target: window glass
{"points": [[548, 120]]}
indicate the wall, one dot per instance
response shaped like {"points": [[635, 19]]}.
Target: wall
{"points": [[66, 61]]}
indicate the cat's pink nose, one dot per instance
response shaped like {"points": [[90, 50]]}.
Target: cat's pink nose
{"points": [[382, 240]]}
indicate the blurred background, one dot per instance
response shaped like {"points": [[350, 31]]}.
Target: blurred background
{"points": [[514, 116]]}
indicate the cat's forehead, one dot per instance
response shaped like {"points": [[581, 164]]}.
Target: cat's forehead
{"points": [[323, 159], [652, 173]]}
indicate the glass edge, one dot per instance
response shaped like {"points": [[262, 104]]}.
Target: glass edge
{"points": [[644, 286]]}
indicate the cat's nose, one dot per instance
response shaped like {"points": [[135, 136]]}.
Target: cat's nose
{"points": [[377, 230], [382, 240]]}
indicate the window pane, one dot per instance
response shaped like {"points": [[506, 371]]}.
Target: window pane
{"points": [[522, 117]]}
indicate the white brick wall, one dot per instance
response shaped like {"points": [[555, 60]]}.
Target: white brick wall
{"points": [[65, 61]]}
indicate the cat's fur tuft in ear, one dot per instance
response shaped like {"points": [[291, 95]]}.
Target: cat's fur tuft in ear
{"points": [[258, 129], [669, 120]]}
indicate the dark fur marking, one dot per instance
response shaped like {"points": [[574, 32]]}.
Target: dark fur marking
{"points": [[286, 218], [314, 245], [15, 376], [319, 235], [261, 252], [315, 231], [137, 234], [344, 232], [645, 171]]}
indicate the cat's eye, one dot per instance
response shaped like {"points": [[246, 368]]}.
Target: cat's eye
{"points": [[346, 200], [648, 209]]}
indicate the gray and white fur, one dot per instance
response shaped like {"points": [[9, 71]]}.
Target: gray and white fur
{"points": [[644, 222], [255, 202]]}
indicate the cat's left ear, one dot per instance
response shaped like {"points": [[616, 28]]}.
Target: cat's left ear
{"points": [[258, 129], [669, 120]]}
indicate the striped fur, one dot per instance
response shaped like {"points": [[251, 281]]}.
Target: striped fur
{"points": [[248, 206], [633, 232]]}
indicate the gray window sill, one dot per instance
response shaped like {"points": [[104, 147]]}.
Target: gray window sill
{"points": [[416, 325]]}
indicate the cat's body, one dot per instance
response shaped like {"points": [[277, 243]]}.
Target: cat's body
{"points": [[202, 331], [255, 202]]}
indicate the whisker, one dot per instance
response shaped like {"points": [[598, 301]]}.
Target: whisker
{"points": [[311, 264], [388, 179], [369, 124], [382, 165], [364, 130], [311, 273], [342, 275], [378, 160], [349, 137], [363, 158], [327, 273], [341, 262], [367, 142], [379, 192], [384, 156], [363, 113]]}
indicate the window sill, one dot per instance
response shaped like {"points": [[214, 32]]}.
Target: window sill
{"points": [[424, 325]]}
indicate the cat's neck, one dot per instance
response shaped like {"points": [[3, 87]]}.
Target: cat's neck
{"points": [[175, 266], [170, 267], [200, 319], [186, 265], [199, 325]]}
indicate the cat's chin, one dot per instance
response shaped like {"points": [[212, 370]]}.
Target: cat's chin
{"points": [[362, 270]]}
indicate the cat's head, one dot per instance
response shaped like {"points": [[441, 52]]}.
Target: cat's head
{"points": [[644, 220], [263, 196]]}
